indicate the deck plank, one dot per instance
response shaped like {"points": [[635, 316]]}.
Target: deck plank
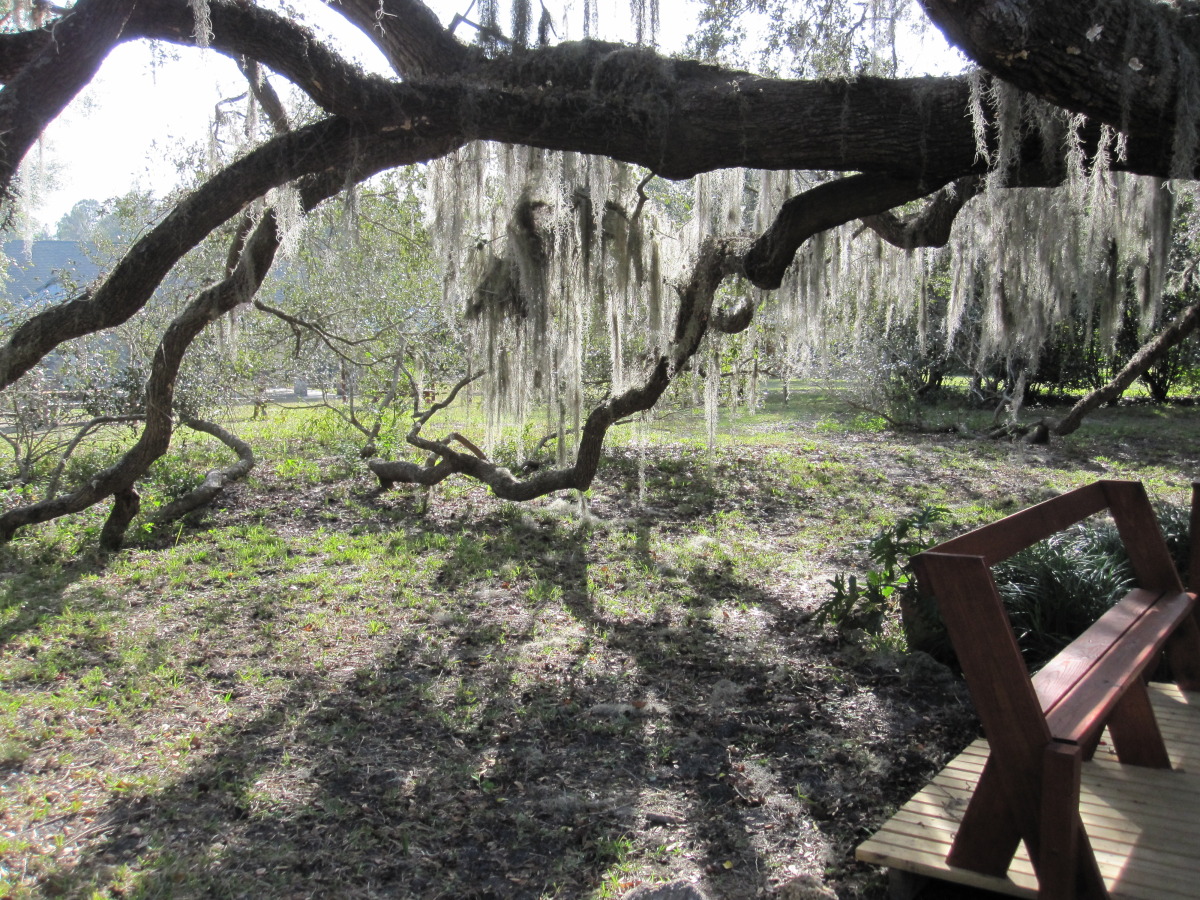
{"points": [[1141, 821]]}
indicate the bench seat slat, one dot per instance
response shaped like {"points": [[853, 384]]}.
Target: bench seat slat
{"points": [[1083, 708], [1076, 659]]}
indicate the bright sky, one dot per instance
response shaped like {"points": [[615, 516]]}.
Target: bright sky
{"points": [[128, 127]]}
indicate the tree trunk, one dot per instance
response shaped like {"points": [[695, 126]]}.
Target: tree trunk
{"points": [[1150, 353], [125, 506]]}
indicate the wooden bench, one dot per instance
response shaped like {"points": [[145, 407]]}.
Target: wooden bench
{"points": [[1041, 757]]}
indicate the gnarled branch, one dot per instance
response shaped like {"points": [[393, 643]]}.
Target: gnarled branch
{"points": [[929, 226], [217, 479], [718, 258]]}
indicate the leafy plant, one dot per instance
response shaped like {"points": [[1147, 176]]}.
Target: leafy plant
{"points": [[1055, 589], [866, 605], [175, 474]]}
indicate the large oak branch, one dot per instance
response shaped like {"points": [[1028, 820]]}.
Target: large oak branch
{"points": [[49, 80], [1134, 64], [408, 34]]}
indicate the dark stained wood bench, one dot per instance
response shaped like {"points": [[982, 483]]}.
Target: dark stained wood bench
{"points": [[1043, 732]]}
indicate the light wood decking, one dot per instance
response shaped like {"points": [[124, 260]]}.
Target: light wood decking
{"points": [[1144, 824]]}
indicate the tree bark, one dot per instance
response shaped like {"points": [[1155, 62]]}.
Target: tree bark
{"points": [[1129, 63], [126, 503], [408, 34]]}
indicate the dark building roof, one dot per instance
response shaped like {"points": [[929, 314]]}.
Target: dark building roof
{"points": [[42, 272]]}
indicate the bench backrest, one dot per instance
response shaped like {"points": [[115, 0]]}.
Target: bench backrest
{"points": [[1153, 567], [958, 574]]}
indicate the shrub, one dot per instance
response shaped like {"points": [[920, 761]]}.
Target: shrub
{"points": [[1052, 591], [890, 587]]}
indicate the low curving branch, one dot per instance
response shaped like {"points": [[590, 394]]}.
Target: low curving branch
{"points": [[1150, 353], [118, 480], [216, 480], [821, 208], [717, 259]]}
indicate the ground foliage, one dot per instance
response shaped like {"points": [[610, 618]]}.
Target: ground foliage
{"points": [[317, 690]]}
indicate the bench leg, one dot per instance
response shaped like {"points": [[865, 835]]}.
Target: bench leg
{"points": [[1134, 730], [1183, 647], [1065, 865], [987, 837], [905, 885]]}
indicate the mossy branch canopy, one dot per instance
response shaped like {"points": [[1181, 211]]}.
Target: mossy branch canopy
{"points": [[558, 190]]}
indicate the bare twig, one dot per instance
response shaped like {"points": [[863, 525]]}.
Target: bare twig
{"points": [[642, 196]]}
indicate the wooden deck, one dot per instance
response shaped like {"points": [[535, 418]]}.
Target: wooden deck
{"points": [[1143, 823]]}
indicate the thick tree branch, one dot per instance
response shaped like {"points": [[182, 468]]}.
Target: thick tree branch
{"points": [[930, 226], [819, 209], [408, 34], [239, 30], [217, 479], [1130, 63], [674, 117], [48, 81]]}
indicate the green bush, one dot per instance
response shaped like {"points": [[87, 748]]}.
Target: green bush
{"points": [[174, 474], [1058, 587], [867, 605], [1052, 591]]}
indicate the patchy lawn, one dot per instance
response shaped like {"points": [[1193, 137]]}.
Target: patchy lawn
{"points": [[318, 691]]}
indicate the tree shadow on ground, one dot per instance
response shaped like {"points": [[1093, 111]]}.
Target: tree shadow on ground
{"points": [[31, 595], [535, 738]]}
